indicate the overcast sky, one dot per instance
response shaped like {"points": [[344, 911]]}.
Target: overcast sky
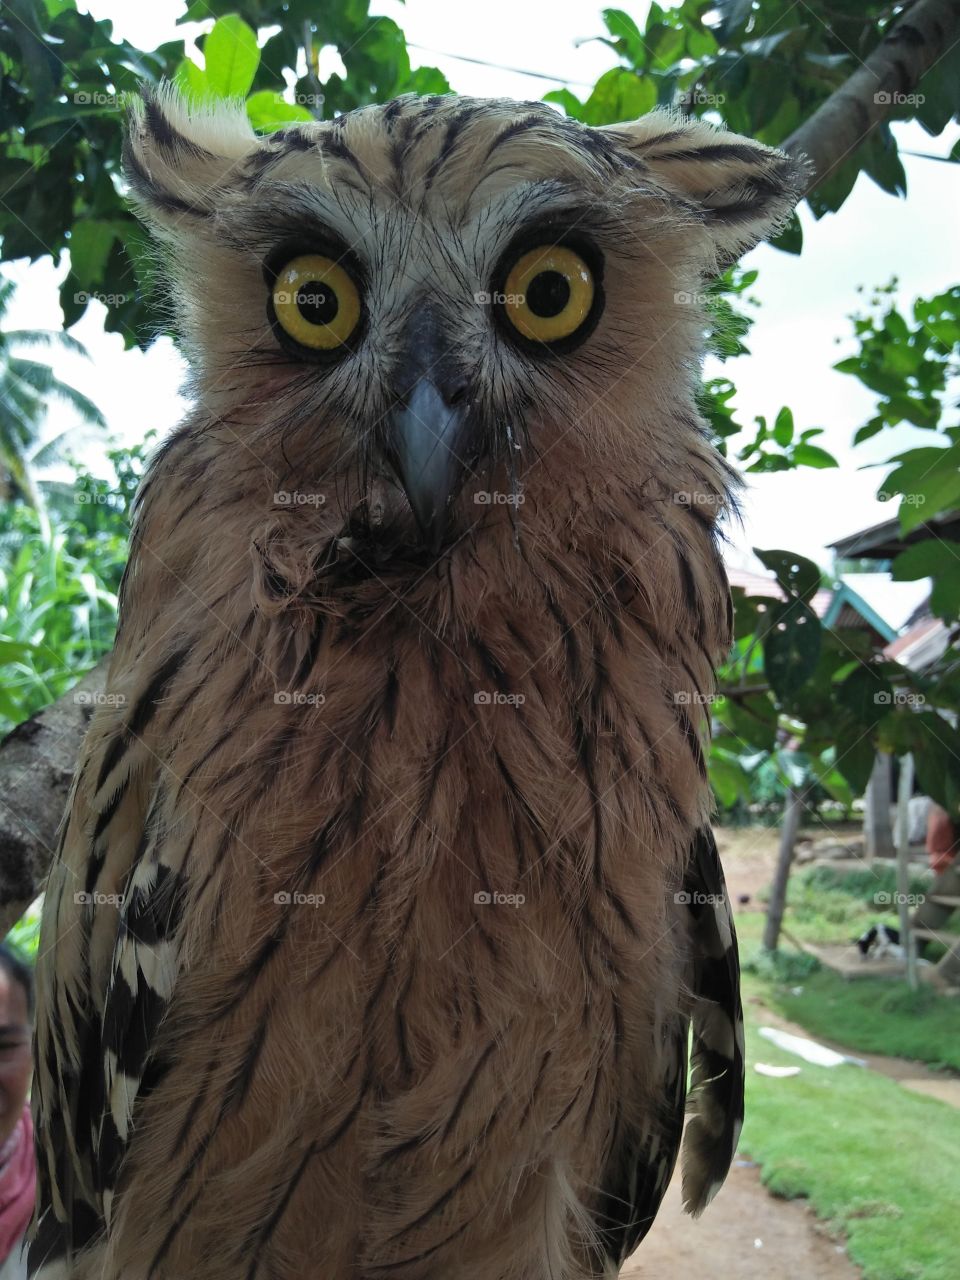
{"points": [[805, 300]]}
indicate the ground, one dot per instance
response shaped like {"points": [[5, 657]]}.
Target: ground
{"points": [[747, 1232]]}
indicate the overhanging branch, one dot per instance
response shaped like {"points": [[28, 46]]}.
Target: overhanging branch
{"points": [[37, 762], [924, 34]]}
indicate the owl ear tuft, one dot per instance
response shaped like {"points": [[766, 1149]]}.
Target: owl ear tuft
{"points": [[178, 155], [742, 190]]}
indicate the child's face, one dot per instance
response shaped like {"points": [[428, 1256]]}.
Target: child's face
{"points": [[16, 1061]]}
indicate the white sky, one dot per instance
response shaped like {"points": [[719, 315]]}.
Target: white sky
{"points": [[805, 300]]}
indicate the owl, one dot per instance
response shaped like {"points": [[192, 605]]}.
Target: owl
{"points": [[387, 907]]}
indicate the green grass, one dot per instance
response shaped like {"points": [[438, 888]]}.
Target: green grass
{"points": [[877, 1162], [867, 1015], [826, 904]]}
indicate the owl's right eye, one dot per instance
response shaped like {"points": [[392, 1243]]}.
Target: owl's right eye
{"points": [[315, 302]]}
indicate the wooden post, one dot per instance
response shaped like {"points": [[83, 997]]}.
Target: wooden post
{"points": [[904, 792], [778, 890], [877, 835]]}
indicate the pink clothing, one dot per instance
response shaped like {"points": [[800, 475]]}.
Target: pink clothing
{"points": [[18, 1179]]}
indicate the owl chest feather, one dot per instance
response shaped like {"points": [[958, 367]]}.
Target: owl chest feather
{"points": [[429, 935]]}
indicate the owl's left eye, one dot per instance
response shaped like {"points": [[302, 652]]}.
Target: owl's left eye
{"points": [[550, 294], [315, 302]]}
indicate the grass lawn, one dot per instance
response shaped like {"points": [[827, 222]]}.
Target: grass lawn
{"points": [[870, 1015], [877, 1161]]}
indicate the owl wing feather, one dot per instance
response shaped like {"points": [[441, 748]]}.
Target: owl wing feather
{"points": [[105, 974], [642, 1161]]}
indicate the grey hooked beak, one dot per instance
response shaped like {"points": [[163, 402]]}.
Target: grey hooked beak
{"points": [[428, 447]]}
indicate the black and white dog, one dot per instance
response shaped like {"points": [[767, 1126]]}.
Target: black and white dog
{"points": [[880, 942]]}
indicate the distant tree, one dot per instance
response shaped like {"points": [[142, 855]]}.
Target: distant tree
{"points": [[26, 388]]}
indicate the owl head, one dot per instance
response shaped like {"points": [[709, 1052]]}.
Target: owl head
{"points": [[445, 314]]}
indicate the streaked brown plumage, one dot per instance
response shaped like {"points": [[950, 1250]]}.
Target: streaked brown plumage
{"points": [[284, 1031]]}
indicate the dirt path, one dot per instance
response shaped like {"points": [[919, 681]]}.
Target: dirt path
{"points": [[745, 1233]]}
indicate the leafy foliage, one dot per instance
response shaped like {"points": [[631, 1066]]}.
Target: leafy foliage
{"points": [[764, 67], [60, 569], [63, 81]]}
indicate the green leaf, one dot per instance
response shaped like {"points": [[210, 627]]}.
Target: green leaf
{"points": [[90, 245], [751, 719], [929, 479], [232, 56], [783, 427], [790, 239], [926, 559], [935, 558], [832, 781], [855, 754], [267, 111], [831, 191], [797, 575], [728, 777], [866, 693], [569, 101], [868, 430], [427, 82], [626, 34], [811, 455], [192, 81], [617, 96], [791, 647]]}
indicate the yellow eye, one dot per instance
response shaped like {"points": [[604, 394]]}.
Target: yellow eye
{"points": [[316, 302], [548, 293]]}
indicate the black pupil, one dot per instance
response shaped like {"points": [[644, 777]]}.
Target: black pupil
{"points": [[317, 302], [548, 293]]}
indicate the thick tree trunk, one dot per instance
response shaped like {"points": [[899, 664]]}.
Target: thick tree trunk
{"points": [[37, 761], [924, 34]]}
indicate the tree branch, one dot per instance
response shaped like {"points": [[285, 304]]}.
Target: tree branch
{"points": [[37, 763], [924, 34]]}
